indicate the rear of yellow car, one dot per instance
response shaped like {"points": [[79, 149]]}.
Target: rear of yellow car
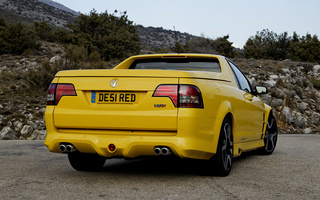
{"points": [[130, 112], [135, 116]]}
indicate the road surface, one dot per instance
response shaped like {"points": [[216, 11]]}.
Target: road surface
{"points": [[29, 171]]}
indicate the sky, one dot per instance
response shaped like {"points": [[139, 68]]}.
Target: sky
{"points": [[240, 19]]}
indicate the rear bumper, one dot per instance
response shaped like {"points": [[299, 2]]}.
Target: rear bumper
{"points": [[126, 146], [196, 138]]}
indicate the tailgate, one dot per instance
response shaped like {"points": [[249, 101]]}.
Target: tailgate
{"points": [[116, 103]]}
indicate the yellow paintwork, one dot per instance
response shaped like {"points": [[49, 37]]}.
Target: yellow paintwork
{"points": [[136, 128]]}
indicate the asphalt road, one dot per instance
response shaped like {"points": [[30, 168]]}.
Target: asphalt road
{"points": [[29, 171]]}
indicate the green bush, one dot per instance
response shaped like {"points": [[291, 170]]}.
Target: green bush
{"points": [[75, 57], [41, 78], [111, 36], [201, 44], [269, 45], [16, 38], [316, 83], [43, 31]]}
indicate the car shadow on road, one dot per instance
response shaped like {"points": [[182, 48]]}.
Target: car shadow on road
{"points": [[166, 166], [169, 165]]}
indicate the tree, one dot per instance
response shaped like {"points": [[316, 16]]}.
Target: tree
{"points": [[294, 46], [16, 39], [224, 47], [201, 45], [262, 45], [282, 46], [178, 48], [43, 30], [110, 35], [220, 45]]}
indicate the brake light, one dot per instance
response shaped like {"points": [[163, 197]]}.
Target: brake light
{"points": [[183, 96], [56, 91], [168, 91]]}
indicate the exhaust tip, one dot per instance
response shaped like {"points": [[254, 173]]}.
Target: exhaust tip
{"points": [[62, 148], [157, 151], [162, 151], [165, 151], [70, 148]]}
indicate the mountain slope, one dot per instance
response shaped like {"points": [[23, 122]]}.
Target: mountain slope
{"points": [[158, 37], [59, 6], [27, 11], [57, 15]]}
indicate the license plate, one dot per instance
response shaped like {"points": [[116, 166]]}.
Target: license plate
{"points": [[113, 97]]}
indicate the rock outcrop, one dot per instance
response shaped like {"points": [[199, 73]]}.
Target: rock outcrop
{"points": [[293, 92]]}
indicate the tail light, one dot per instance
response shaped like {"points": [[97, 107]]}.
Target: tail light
{"points": [[183, 96], [170, 91], [190, 97], [56, 91]]}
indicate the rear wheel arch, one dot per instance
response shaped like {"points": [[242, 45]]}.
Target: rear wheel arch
{"points": [[224, 111], [271, 135], [221, 162], [268, 113], [229, 117]]}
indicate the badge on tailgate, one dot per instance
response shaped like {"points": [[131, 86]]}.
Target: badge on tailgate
{"points": [[113, 97]]}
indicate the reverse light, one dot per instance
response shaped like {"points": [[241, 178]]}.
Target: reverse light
{"points": [[57, 90], [183, 96], [190, 97]]}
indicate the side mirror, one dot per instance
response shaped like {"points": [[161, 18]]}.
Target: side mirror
{"points": [[261, 90]]}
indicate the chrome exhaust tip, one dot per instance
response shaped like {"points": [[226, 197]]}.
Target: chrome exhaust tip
{"points": [[62, 148], [162, 151], [157, 151], [70, 148], [165, 151]]}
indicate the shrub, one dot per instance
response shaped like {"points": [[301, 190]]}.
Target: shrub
{"points": [[269, 45], [111, 36], [41, 78], [316, 83], [43, 31], [75, 57], [16, 39]]}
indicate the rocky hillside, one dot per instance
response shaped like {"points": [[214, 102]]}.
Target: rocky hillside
{"points": [[21, 107], [28, 11], [294, 93], [152, 37], [57, 15], [59, 6]]}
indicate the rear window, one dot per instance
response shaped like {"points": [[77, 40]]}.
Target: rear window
{"points": [[192, 64]]}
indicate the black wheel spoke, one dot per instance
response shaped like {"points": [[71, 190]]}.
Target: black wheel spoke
{"points": [[270, 123], [227, 161], [271, 135], [222, 160], [224, 146], [227, 147], [270, 143]]}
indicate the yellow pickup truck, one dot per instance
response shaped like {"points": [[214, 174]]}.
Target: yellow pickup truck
{"points": [[186, 105]]}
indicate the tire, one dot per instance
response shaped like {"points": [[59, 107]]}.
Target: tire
{"points": [[85, 161], [223, 159], [271, 136]]}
